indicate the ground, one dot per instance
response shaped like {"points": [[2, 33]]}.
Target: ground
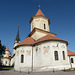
{"points": [[12, 72]]}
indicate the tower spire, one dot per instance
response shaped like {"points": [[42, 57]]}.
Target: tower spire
{"points": [[17, 37], [39, 12]]}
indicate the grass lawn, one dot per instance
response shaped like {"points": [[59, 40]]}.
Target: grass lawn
{"points": [[67, 70], [9, 68]]}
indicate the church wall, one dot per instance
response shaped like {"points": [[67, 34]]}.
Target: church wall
{"points": [[12, 61], [72, 65], [5, 62], [39, 22], [27, 52], [38, 34], [45, 57]]}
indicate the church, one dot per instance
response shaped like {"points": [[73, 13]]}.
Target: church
{"points": [[41, 50], [6, 59]]}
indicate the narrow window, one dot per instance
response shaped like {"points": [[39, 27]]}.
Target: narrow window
{"points": [[72, 60], [6, 62], [56, 55], [22, 58], [44, 26], [63, 55], [36, 49]]}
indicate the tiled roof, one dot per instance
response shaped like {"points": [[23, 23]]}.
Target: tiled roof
{"points": [[35, 29], [5, 57], [27, 41], [39, 13], [49, 37], [70, 52], [7, 49], [30, 40]]}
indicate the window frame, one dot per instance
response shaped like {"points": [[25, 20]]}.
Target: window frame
{"points": [[6, 62], [72, 60], [63, 53], [56, 55], [44, 26], [22, 58]]}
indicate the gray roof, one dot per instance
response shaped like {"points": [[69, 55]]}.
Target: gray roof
{"points": [[17, 37]]}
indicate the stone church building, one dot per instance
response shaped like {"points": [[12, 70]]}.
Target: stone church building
{"points": [[41, 50]]}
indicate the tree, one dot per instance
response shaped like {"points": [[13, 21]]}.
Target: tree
{"points": [[2, 49]]}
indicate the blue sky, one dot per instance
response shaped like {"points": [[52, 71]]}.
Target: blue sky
{"points": [[60, 12]]}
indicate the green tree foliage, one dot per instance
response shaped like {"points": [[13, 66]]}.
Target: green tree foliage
{"points": [[2, 48]]}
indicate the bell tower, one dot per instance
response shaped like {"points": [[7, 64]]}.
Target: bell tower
{"points": [[17, 40], [39, 26], [40, 21], [6, 52]]}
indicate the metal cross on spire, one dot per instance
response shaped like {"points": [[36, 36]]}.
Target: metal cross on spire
{"points": [[39, 6]]}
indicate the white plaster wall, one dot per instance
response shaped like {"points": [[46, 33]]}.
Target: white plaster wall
{"points": [[15, 44], [39, 34], [27, 59], [6, 54], [4, 62], [48, 60], [40, 60], [13, 51], [12, 61], [39, 22], [69, 59]]}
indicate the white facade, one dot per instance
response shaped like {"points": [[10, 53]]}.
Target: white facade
{"points": [[42, 60], [5, 61], [39, 22]]}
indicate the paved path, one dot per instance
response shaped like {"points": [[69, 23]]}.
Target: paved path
{"points": [[11, 72]]}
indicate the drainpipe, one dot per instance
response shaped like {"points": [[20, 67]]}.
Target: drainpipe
{"points": [[70, 62], [32, 60]]}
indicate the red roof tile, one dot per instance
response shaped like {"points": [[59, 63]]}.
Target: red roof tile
{"points": [[30, 41], [27, 41], [5, 57], [49, 37], [70, 52], [7, 49], [39, 13]]}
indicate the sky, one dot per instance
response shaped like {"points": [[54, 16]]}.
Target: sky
{"points": [[13, 12]]}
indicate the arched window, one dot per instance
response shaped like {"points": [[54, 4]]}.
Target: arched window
{"points": [[36, 49], [6, 62], [22, 58], [56, 55], [72, 60], [44, 26], [63, 55]]}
